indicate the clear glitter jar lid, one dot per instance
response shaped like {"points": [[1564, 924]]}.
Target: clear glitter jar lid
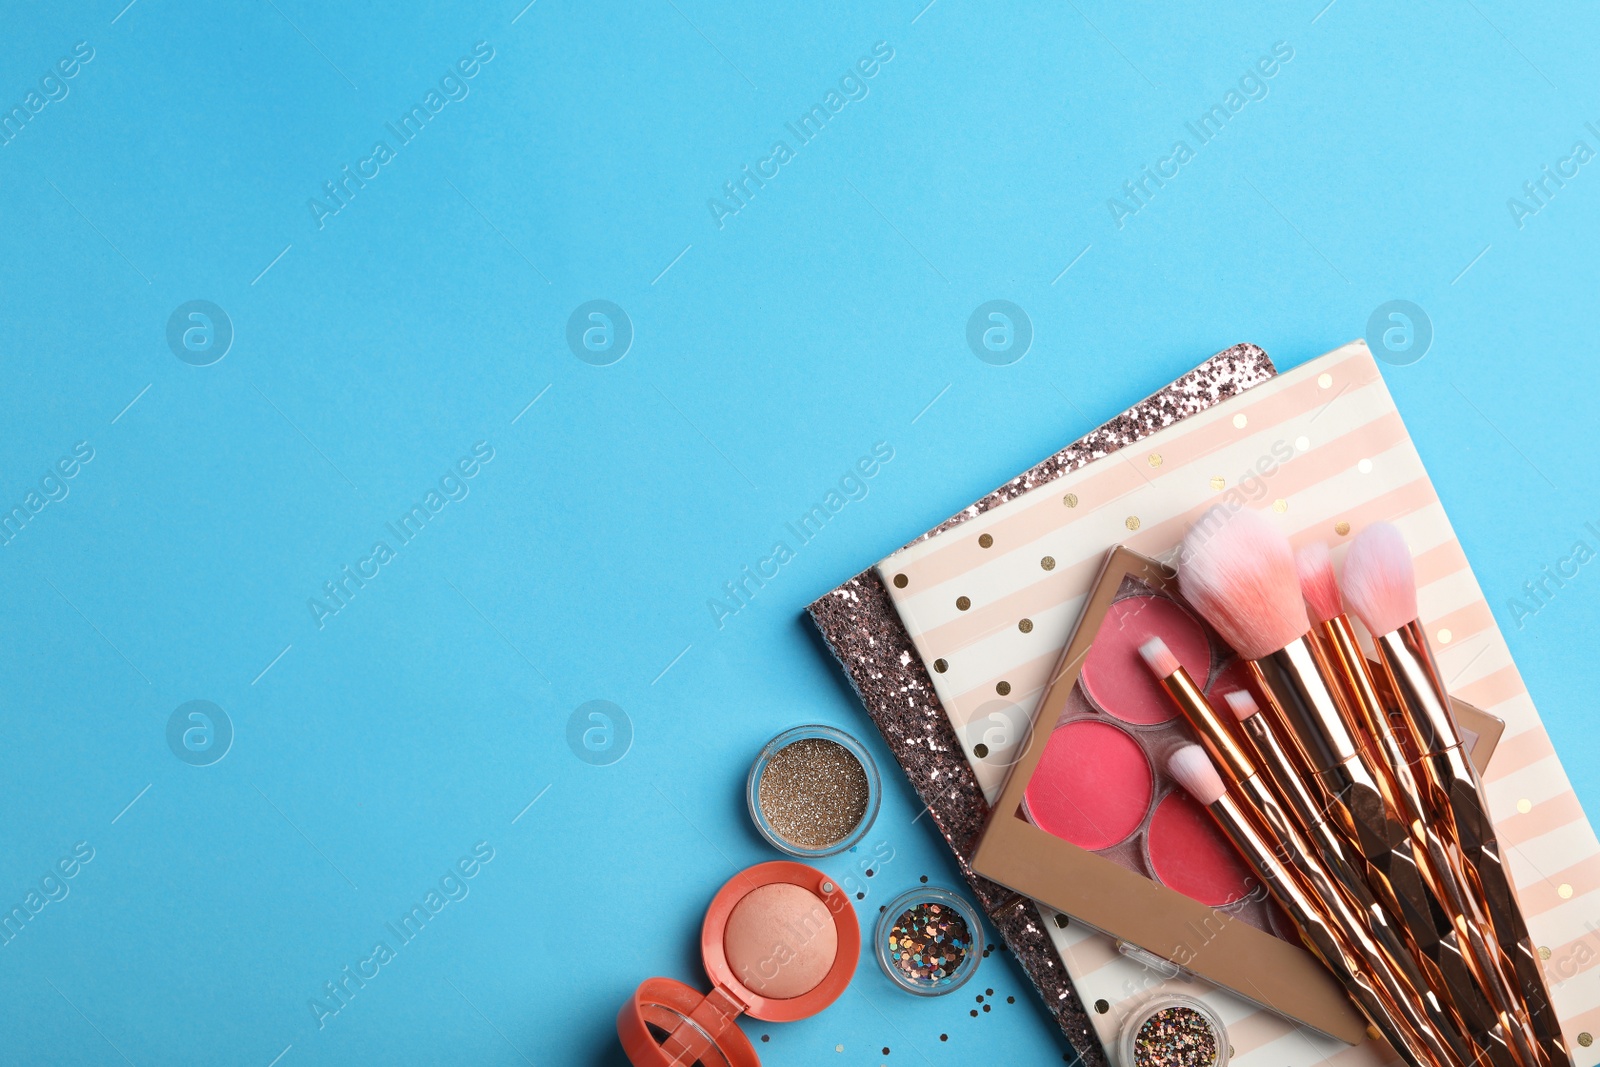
{"points": [[1172, 1030], [929, 962], [813, 791]]}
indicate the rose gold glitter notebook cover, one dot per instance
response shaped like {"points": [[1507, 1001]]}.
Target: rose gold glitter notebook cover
{"points": [[860, 626]]}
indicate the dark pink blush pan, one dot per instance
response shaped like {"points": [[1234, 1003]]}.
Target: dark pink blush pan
{"points": [[1189, 853], [1114, 675], [1092, 786]]}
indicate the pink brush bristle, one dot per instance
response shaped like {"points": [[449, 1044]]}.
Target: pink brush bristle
{"points": [[1317, 583], [1242, 704], [1238, 571], [1380, 579], [1195, 772], [1160, 658]]}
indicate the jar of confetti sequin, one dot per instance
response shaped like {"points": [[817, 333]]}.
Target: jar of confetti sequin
{"points": [[1172, 1030], [929, 941], [813, 791]]}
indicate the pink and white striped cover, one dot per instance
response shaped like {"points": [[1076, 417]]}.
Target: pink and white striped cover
{"points": [[1323, 450]]}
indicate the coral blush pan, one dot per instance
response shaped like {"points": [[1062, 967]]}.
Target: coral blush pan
{"points": [[1115, 677], [1092, 787]]}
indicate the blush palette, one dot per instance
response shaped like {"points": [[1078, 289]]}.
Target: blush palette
{"points": [[1101, 780], [1090, 823]]}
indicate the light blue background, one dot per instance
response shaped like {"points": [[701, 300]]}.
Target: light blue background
{"points": [[768, 356]]}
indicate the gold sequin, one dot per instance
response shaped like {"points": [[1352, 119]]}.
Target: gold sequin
{"points": [[1324, 381], [941, 665], [1102, 1006], [1219, 483], [1341, 528], [1131, 522], [1026, 626], [1280, 506], [1003, 688], [1070, 500], [1544, 952], [1155, 459], [963, 603], [1365, 466], [1564, 891], [1445, 635], [1585, 1039], [1048, 563], [1524, 805], [985, 540], [1240, 421], [980, 750], [900, 581]]}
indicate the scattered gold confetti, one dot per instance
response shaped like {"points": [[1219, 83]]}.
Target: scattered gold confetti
{"points": [[1155, 459], [1280, 505], [1070, 500], [1219, 483], [900, 581], [1524, 805], [1048, 563], [963, 603], [1131, 522], [1026, 626], [1544, 952], [1341, 528], [985, 540], [1003, 688]]}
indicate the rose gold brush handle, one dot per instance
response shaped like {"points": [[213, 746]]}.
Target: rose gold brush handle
{"points": [[1347, 966], [1294, 681], [1437, 856], [1441, 967], [1398, 979], [1454, 797]]}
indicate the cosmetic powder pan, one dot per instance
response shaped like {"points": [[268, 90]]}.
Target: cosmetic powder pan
{"points": [[780, 943]]}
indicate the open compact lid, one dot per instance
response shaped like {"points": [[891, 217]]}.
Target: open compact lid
{"points": [[780, 943]]}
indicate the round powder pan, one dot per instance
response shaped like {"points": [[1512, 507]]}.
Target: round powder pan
{"points": [[1115, 676], [1092, 785], [780, 942], [813, 791], [1186, 851]]}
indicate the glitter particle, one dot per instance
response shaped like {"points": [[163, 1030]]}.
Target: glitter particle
{"points": [[1341, 528], [928, 943], [963, 603], [900, 581], [985, 540], [1524, 805], [941, 665], [1155, 459], [1324, 381], [1131, 522], [1070, 500], [1564, 891], [1302, 444], [1365, 466], [1219, 483], [1544, 952], [1048, 563], [1445, 636], [1003, 688], [1240, 421], [1175, 1037], [813, 792], [1026, 626], [1280, 505], [1585, 1040]]}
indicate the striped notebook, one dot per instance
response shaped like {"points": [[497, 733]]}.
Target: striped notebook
{"points": [[989, 605]]}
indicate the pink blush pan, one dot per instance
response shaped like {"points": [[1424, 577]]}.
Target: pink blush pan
{"points": [[1188, 853], [1092, 787], [1114, 675]]}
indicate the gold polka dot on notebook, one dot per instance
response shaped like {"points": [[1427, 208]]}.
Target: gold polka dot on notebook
{"points": [[1445, 635], [1155, 459], [985, 540], [1280, 505], [1003, 688], [1131, 522], [1365, 466], [1302, 444], [1026, 626], [1048, 563], [1524, 805], [963, 603], [941, 665], [1341, 528], [1324, 381], [1102, 1006], [980, 750], [900, 581], [1070, 500], [1564, 891], [1240, 421], [1219, 483], [1544, 952], [1585, 1039]]}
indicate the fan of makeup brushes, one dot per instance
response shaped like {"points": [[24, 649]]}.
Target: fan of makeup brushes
{"points": [[1348, 790]]}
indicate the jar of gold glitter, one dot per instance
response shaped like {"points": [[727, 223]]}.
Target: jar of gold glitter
{"points": [[813, 791], [1172, 1030]]}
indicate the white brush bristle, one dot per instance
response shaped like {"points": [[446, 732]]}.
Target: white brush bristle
{"points": [[1242, 704], [1160, 658], [1238, 571], [1380, 580], [1195, 772], [1317, 583]]}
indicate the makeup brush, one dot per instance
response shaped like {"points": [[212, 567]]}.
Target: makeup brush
{"points": [[1435, 965], [1381, 588], [1364, 935], [1193, 770], [1239, 571]]}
